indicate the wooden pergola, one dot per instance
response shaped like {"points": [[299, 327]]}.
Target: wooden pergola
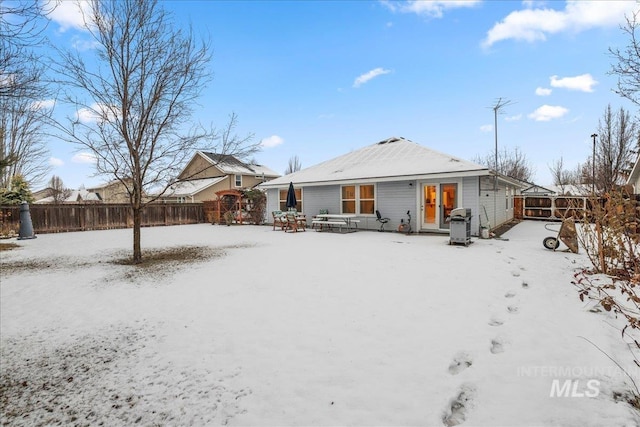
{"points": [[233, 206]]}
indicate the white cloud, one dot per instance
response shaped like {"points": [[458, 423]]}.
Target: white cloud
{"points": [[84, 158], [536, 24], [68, 14], [364, 78], [583, 83], [272, 141], [486, 128], [85, 115], [45, 104], [55, 162], [83, 45], [94, 114], [543, 91], [513, 118], [431, 8], [547, 113]]}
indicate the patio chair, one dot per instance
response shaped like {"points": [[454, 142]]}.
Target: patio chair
{"points": [[279, 220], [381, 220], [294, 223]]}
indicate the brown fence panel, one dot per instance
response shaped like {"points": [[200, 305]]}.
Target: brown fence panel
{"points": [[56, 218], [552, 207]]}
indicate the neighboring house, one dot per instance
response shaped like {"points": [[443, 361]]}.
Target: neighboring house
{"points": [[538, 190], [395, 176], [207, 173], [634, 177], [42, 193], [111, 192], [75, 196], [558, 190]]}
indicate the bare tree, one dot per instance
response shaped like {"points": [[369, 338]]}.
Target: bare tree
{"points": [[627, 61], [141, 94], [294, 165], [563, 177], [23, 139], [22, 118], [57, 190], [512, 163], [20, 30], [617, 137]]}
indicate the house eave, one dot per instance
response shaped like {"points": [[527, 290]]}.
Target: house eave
{"points": [[416, 177]]}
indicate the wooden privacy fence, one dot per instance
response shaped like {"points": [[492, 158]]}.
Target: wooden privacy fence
{"points": [[56, 218], [550, 207]]}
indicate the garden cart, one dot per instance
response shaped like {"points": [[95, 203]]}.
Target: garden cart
{"points": [[567, 234]]}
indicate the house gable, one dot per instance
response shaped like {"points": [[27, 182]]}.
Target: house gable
{"points": [[200, 166]]}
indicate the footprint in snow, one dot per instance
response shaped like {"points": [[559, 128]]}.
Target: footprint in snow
{"points": [[459, 406], [495, 322], [525, 284], [497, 345], [509, 295], [513, 309], [515, 273], [460, 362]]}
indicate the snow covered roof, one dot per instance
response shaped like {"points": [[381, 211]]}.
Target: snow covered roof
{"points": [[192, 187], [75, 196], [392, 158], [558, 190], [230, 165]]}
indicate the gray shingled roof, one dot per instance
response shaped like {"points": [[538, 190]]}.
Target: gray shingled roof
{"points": [[387, 159]]}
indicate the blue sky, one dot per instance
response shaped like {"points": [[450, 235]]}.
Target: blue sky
{"points": [[317, 79]]}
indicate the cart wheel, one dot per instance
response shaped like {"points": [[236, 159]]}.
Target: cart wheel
{"points": [[551, 243]]}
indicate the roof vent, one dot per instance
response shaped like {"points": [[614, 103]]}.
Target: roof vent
{"points": [[389, 140]]}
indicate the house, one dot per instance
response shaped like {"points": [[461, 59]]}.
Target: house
{"points": [[73, 196], [634, 177], [111, 192], [395, 176], [538, 190], [207, 173]]}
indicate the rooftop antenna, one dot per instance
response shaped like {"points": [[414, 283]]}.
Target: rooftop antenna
{"points": [[497, 108]]}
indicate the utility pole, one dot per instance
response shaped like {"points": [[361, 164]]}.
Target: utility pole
{"points": [[593, 166]]}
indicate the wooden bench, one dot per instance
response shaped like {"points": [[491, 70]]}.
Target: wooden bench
{"points": [[330, 223]]}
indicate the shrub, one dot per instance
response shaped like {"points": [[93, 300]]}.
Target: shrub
{"points": [[609, 235]]}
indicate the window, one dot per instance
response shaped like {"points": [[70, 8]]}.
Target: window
{"points": [[349, 199], [358, 199], [367, 199], [238, 179], [283, 199]]}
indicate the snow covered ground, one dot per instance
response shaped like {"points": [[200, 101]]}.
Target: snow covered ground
{"points": [[309, 328]]}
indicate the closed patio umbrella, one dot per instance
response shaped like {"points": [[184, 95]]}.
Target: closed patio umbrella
{"points": [[291, 197]]}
